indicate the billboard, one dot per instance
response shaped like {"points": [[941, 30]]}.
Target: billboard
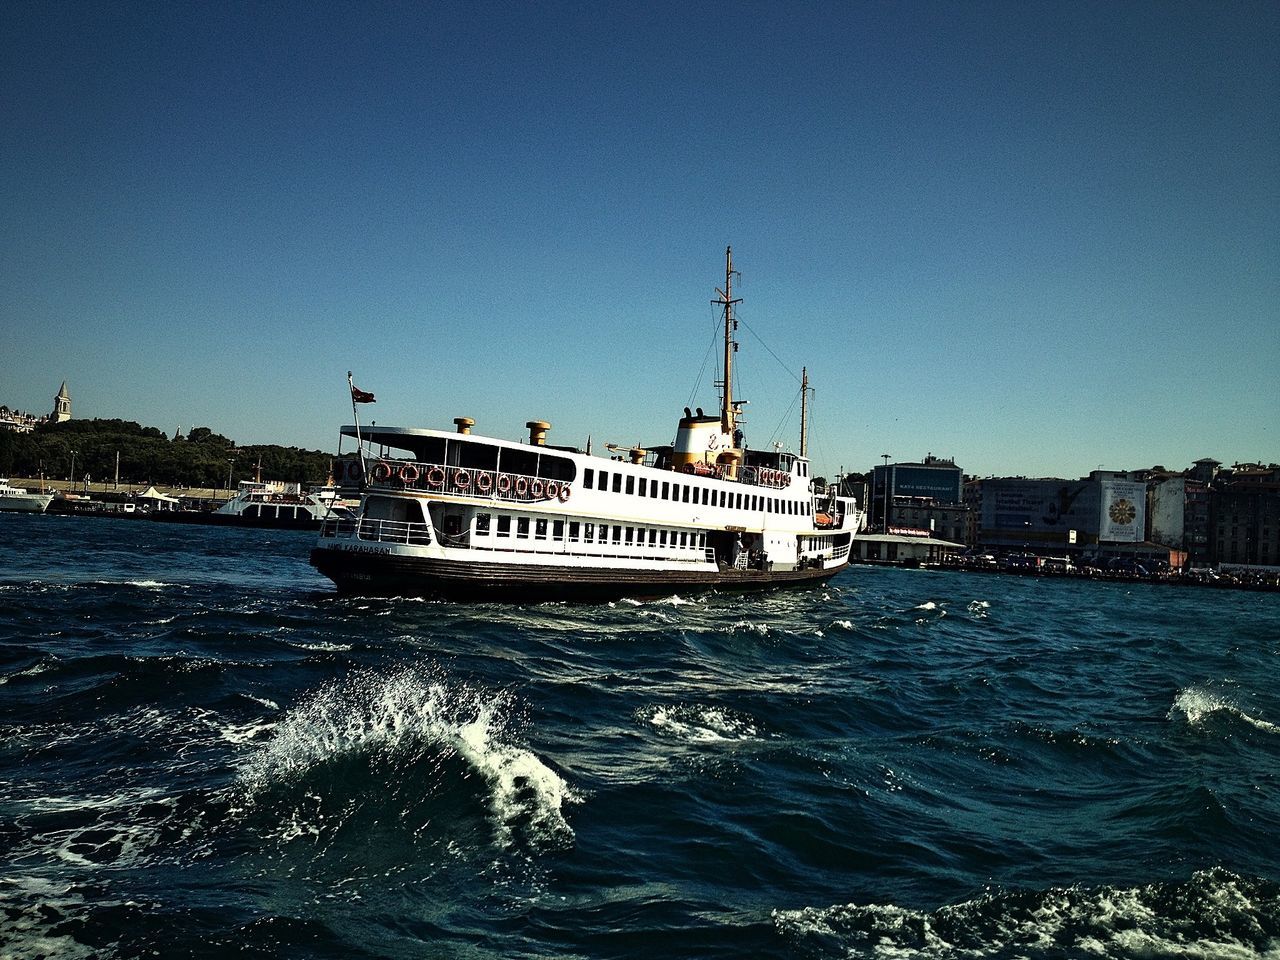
{"points": [[1122, 518], [943, 484]]}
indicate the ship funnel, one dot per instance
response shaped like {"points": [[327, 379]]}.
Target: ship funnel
{"points": [[464, 424], [538, 432]]}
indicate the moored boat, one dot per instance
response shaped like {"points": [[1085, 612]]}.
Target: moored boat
{"points": [[22, 500], [461, 516], [269, 503]]}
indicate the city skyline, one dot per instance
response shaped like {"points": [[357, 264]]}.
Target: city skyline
{"points": [[1033, 238]]}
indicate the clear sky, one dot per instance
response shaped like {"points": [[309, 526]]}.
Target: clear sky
{"points": [[1035, 237]]}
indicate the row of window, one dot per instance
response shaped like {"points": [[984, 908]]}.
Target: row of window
{"points": [[575, 531], [593, 479]]}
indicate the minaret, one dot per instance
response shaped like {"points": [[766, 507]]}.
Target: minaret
{"points": [[61, 406]]}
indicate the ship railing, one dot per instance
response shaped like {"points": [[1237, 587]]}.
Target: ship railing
{"points": [[465, 481], [380, 531], [393, 531], [839, 553]]}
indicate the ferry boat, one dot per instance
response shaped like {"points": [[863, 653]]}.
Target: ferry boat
{"points": [[21, 500], [270, 503], [458, 516]]}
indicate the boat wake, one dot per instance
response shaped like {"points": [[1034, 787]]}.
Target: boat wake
{"points": [[1216, 914]]}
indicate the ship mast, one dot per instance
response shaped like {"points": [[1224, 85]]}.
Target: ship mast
{"points": [[727, 418], [804, 411]]}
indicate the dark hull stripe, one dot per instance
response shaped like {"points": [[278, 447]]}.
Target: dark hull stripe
{"points": [[363, 573]]}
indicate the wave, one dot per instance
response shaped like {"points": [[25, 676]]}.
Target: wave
{"points": [[396, 727], [699, 724], [1197, 704], [1216, 915]]}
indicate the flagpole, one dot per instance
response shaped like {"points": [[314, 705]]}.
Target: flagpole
{"points": [[359, 444]]}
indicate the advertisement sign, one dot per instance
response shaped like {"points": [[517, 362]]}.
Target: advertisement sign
{"points": [[1123, 511]]}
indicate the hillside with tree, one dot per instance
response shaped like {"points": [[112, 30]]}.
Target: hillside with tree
{"points": [[202, 458]]}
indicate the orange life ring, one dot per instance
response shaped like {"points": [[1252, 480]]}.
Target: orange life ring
{"points": [[354, 473], [504, 483], [484, 481], [382, 471], [535, 489], [409, 473], [522, 486], [461, 479], [553, 489], [435, 477], [563, 495]]}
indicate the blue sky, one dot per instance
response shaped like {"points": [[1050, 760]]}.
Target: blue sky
{"points": [[1038, 238]]}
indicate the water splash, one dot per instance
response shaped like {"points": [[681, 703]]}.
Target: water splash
{"points": [[697, 723], [399, 714], [1197, 704]]}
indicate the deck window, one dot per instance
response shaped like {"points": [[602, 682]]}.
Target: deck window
{"points": [[522, 528], [653, 538], [617, 483], [617, 533], [588, 477], [644, 484], [575, 530], [557, 530], [482, 524], [631, 536], [666, 490], [662, 538], [504, 525], [602, 482], [706, 496], [631, 485], [588, 532], [684, 538], [684, 493], [540, 529]]}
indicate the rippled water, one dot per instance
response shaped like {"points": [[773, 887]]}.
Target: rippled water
{"points": [[205, 753]]}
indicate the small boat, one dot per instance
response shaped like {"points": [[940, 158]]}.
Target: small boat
{"points": [[270, 503], [459, 516], [21, 500]]}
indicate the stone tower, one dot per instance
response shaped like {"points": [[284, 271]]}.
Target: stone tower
{"points": [[61, 406]]}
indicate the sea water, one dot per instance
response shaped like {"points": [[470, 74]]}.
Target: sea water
{"points": [[205, 752]]}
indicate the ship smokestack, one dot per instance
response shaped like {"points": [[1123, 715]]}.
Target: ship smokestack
{"points": [[538, 432], [464, 424]]}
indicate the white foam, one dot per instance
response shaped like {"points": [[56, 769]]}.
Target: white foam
{"points": [[372, 712], [33, 906], [1103, 922], [700, 724], [1196, 704]]}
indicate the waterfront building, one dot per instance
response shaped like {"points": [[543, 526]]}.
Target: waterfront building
{"points": [[1244, 517], [934, 480], [1089, 516], [1178, 514]]}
